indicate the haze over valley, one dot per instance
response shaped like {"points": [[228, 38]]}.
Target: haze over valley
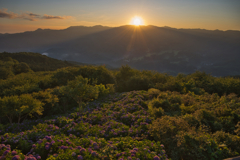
{"points": [[163, 49]]}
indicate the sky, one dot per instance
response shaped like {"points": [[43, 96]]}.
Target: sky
{"points": [[28, 15]]}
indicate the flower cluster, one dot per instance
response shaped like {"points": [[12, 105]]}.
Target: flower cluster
{"points": [[116, 127]]}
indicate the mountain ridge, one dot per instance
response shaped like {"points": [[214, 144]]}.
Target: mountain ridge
{"points": [[164, 49]]}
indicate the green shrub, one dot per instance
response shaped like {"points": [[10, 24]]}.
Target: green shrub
{"points": [[139, 82], [198, 145], [103, 91], [5, 73], [111, 87], [156, 112], [99, 73], [62, 76], [21, 67], [153, 92], [237, 130]]}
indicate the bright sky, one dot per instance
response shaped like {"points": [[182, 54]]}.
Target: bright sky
{"points": [[25, 15]]}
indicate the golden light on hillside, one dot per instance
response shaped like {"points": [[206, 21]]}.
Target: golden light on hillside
{"points": [[137, 21]]}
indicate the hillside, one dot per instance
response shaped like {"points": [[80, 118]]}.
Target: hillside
{"points": [[90, 112], [162, 49], [36, 61]]}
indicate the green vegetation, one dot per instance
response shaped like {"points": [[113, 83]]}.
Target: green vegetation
{"points": [[35, 61], [94, 113]]}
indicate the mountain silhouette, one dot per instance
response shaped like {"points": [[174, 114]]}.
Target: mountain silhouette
{"points": [[163, 49]]}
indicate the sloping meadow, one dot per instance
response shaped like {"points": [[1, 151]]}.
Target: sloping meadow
{"points": [[133, 125], [114, 128]]}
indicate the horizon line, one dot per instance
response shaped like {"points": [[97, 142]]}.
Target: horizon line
{"points": [[119, 26]]}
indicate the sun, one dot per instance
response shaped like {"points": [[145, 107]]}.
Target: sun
{"points": [[137, 21]]}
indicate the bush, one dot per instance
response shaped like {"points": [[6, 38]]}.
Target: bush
{"points": [[99, 73], [5, 73], [21, 67], [198, 145], [166, 127], [139, 82], [153, 92], [62, 76], [81, 91], [156, 112], [103, 91]]}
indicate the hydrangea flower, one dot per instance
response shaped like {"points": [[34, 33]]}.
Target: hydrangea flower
{"points": [[6, 152], [79, 157], [14, 153], [47, 147], [94, 154], [83, 150], [16, 157], [156, 158], [73, 154]]}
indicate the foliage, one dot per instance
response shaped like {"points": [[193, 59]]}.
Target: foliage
{"points": [[35, 61], [21, 68], [5, 73], [81, 91], [153, 92], [62, 76], [20, 107], [48, 99], [193, 116], [99, 73]]}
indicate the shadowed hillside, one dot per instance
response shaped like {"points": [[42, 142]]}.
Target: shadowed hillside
{"points": [[163, 49]]}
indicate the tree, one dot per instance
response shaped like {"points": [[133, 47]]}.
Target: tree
{"points": [[47, 98], [80, 90], [22, 67], [5, 73], [20, 107]]}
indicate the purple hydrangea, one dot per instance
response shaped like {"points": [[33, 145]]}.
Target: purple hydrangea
{"points": [[94, 154], [64, 147], [6, 152], [30, 158], [156, 158], [96, 147], [16, 157], [73, 154], [48, 138], [47, 147], [132, 155], [79, 157], [14, 153], [90, 150], [82, 150]]}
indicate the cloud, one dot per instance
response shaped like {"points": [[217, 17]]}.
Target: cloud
{"points": [[29, 16], [5, 14], [54, 17]]}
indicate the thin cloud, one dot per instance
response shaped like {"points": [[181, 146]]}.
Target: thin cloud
{"points": [[5, 14], [54, 17], [29, 16]]}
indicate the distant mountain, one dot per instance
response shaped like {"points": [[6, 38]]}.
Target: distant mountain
{"points": [[42, 39], [163, 49]]}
